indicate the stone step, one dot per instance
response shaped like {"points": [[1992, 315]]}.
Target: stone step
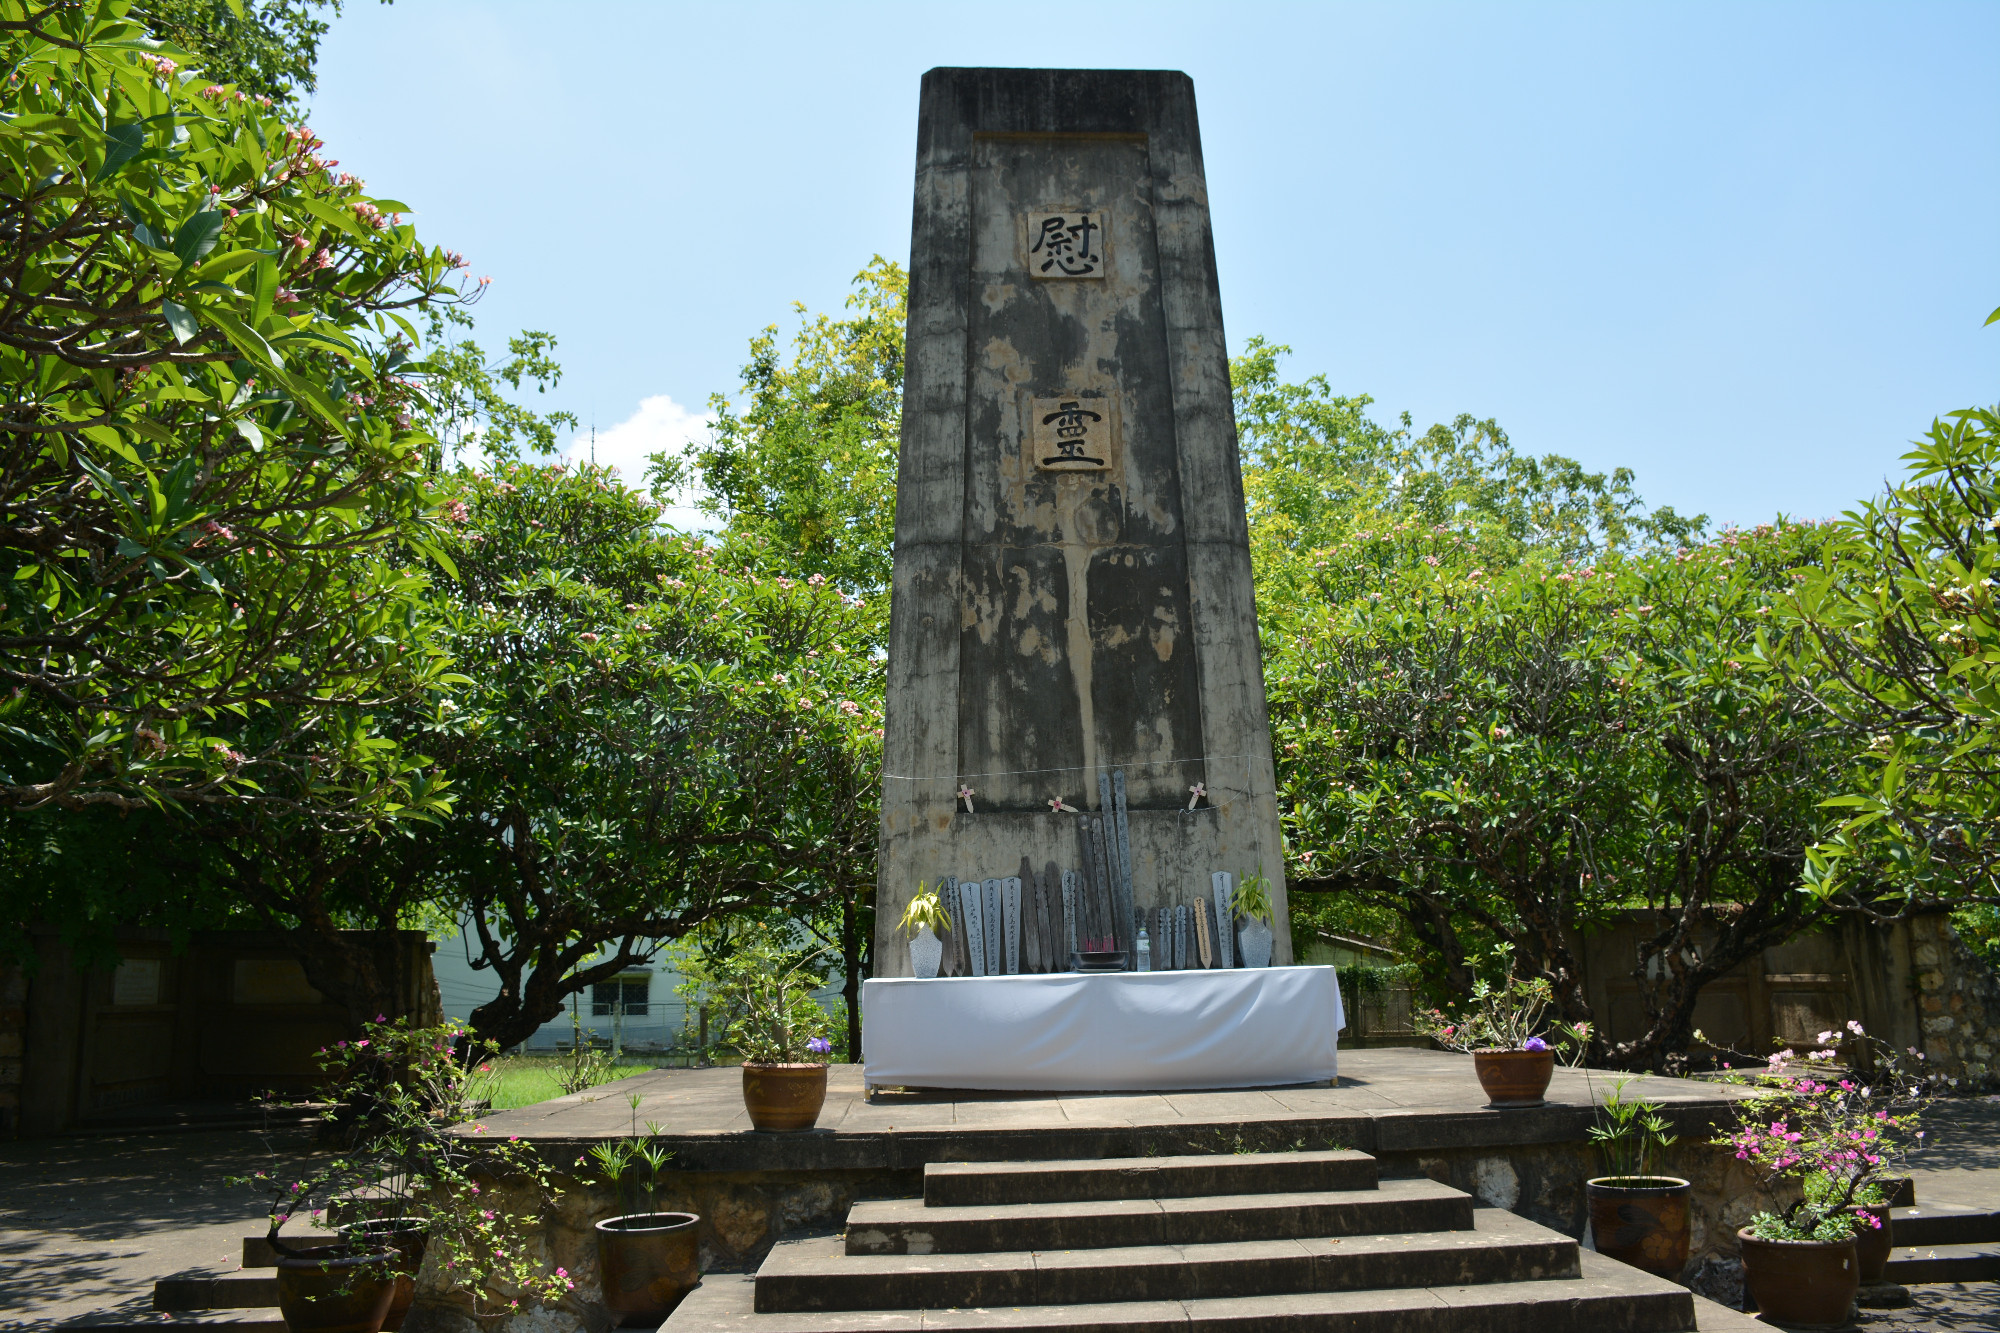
{"points": [[1943, 1224], [1608, 1296], [967, 1184], [232, 1291], [1976, 1262], [225, 1321], [815, 1273], [905, 1226]]}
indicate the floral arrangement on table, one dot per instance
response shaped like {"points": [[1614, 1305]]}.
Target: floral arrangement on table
{"points": [[398, 1097], [1505, 1017], [1253, 896], [1837, 1121], [926, 908]]}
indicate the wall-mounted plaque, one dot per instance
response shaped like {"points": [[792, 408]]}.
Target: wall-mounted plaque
{"points": [[1075, 432], [136, 982], [1066, 245]]}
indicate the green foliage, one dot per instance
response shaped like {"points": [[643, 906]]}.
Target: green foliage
{"points": [[759, 984], [632, 1165], [1503, 1016], [266, 49], [808, 467], [1630, 1133], [644, 731], [1253, 896], [213, 469], [396, 1095], [1903, 651], [1516, 754], [1337, 502]]}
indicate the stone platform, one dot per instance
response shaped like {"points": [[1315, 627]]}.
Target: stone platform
{"points": [[1419, 1113]]}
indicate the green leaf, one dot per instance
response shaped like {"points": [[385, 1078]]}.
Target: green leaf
{"points": [[198, 235], [252, 436], [122, 143], [181, 320]]}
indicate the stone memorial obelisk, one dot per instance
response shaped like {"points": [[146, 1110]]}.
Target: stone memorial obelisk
{"points": [[1072, 616]]}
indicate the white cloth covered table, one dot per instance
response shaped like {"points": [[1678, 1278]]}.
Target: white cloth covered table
{"points": [[1103, 1032]]}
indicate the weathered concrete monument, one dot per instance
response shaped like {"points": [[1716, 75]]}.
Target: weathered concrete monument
{"points": [[1076, 732]]}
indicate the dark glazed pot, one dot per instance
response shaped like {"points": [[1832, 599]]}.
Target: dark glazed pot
{"points": [[1641, 1221], [1872, 1244], [1514, 1078], [407, 1237], [333, 1289], [783, 1098], [649, 1262], [1801, 1283]]}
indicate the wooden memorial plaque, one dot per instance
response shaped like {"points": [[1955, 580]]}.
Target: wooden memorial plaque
{"points": [[1204, 931], [993, 917], [1071, 935], [1224, 885], [972, 900], [1010, 907], [1181, 938], [947, 891], [1058, 939]]}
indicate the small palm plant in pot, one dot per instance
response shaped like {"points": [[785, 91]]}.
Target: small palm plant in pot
{"points": [[648, 1259], [1253, 905], [923, 921], [1503, 1032], [1835, 1131], [1637, 1215]]}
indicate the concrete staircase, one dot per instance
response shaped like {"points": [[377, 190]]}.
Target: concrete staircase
{"points": [[1945, 1243], [1292, 1241]]}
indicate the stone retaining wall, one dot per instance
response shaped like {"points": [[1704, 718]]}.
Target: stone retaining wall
{"points": [[1958, 996], [744, 1212]]}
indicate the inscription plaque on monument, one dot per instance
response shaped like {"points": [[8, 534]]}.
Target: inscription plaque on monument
{"points": [[1072, 593], [1066, 245]]}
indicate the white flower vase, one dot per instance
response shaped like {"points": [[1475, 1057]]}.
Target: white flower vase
{"points": [[926, 952], [1253, 939]]}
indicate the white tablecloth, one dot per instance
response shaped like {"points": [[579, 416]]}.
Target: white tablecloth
{"points": [[1103, 1032]]}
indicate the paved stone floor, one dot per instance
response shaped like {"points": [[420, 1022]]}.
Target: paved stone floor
{"points": [[1385, 1099], [88, 1224]]}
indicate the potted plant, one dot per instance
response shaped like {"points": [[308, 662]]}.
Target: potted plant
{"points": [[1837, 1132], [414, 1178], [923, 920], [648, 1259], [763, 988], [1253, 905], [1502, 1033], [1637, 1216]]}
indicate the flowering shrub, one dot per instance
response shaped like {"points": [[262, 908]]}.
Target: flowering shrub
{"points": [[1836, 1129], [399, 1097], [1506, 1017]]}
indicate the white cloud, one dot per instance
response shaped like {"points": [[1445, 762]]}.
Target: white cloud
{"points": [[661, 425]]}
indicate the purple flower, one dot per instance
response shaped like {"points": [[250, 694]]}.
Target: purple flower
{"points": [[1534, 1044], [819, 1045]]}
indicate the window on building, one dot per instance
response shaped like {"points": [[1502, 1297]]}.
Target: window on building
{"points": [[627, 994]]}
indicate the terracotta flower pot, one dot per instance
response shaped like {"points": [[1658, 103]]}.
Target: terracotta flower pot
{"points": [[1514, 1078], [1801, 1283], [1872, 1244], [407, 1236], [649, 1262], [782, 1098], [331, 1289], [1641, 1221]]}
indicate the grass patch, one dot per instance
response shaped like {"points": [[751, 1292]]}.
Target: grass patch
{"points": [[524, 1080]]}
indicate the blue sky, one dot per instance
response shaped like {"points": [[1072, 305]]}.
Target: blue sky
{"points": [[1744, 250]]}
